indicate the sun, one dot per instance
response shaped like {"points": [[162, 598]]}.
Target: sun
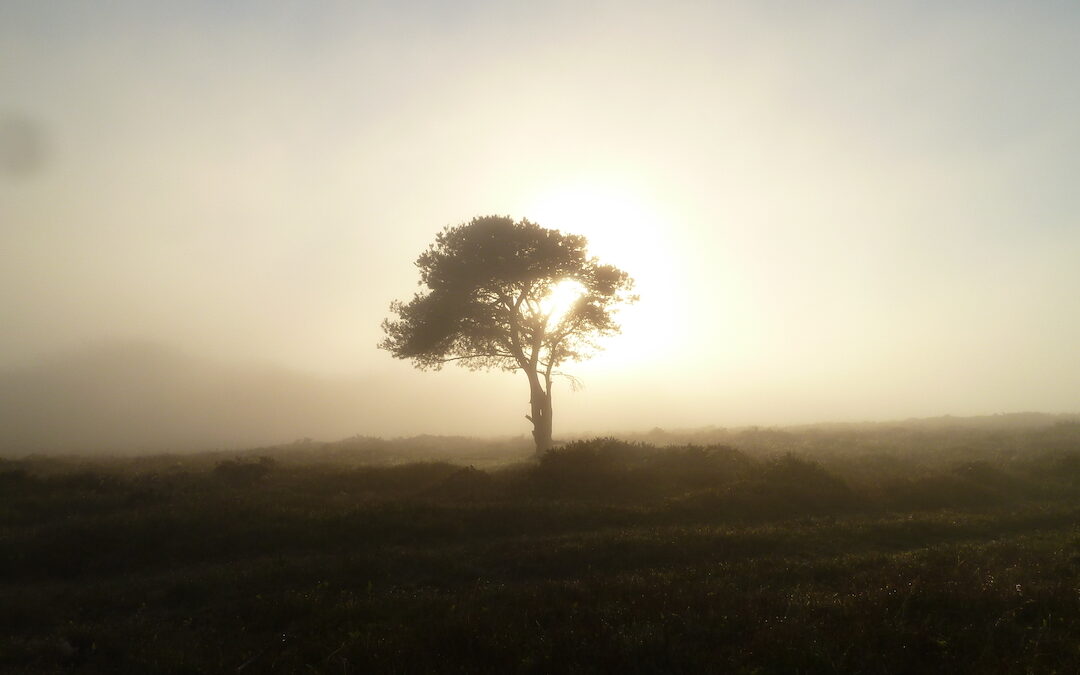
{"points": [[560, 300], [625, 230]]}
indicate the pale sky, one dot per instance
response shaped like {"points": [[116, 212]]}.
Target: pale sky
{"points": [[835, 211]]}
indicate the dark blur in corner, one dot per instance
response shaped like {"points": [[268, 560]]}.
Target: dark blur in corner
{"points": [[23, 147]]}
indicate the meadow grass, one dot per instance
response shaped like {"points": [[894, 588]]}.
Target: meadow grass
{"points": [[605, 556]]}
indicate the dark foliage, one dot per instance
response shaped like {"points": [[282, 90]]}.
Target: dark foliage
{"points": [[244, 472]]}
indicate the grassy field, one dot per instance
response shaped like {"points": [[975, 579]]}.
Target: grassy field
{"points": [[880, 551]]}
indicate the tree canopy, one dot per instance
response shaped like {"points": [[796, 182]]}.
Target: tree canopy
{"points": [[489, 303]]}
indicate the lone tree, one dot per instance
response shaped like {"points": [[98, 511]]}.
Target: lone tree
{"points": [[512, 296]]}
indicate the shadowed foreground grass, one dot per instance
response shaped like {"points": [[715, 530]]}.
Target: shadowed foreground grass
{"points": [[605, 557]]}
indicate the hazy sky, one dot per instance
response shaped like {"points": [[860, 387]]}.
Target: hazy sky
{"points": [[834, 210]]}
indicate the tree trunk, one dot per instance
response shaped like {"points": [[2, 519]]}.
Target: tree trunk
{"points": [[540, 402]]}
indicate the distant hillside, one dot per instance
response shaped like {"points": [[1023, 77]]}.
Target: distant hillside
{"points": [[932, 434], [140, 397], [1018, 420]]}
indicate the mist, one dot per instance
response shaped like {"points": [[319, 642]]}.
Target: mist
{"points": [[843, 214], [140, 397]]}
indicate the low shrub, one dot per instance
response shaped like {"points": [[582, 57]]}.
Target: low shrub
{"points": [[244, 472]]}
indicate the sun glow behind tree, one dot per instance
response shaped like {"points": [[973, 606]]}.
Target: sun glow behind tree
{"points": [[621, 224], [560, 300]]}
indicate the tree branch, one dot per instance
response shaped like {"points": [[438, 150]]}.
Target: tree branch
{"points": [[477, 356]]}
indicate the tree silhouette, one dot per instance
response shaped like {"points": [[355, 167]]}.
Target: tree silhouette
{"points": [[493, 287]]}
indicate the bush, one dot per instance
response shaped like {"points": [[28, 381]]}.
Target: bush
{"points": [[606, 468], [244, 472], [692, 467], [467, 484], [593, 468], [783, 486]]}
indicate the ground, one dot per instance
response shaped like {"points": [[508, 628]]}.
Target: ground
{"points": [[893, 553]]}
